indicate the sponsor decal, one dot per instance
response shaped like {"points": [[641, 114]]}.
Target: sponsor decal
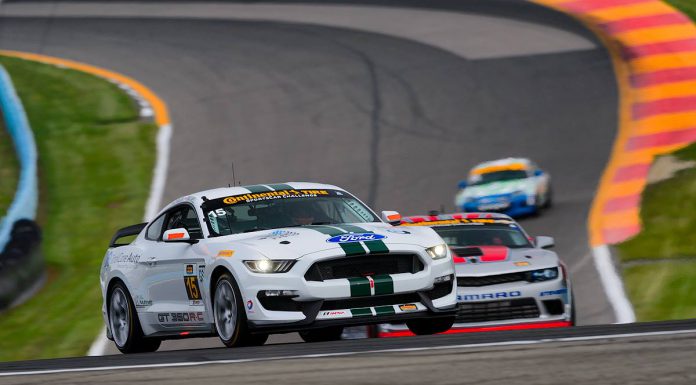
{"points": [[408, 307], [461, 221], [522, 263], [498, 295], [225, 253], [124, 259], [553, 292], [166, 318], [334, 313], [353, 237], [270, 195], [196, 302], [201, 273], [278, 234], [141, 301], [193, 291], [189, 269], [397, 231], [250, 304]]}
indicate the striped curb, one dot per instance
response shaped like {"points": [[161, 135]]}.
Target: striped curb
{"points": [[653, 47]]}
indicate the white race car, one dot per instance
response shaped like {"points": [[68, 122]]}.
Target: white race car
{"points": [[243, 262], [505, 279]]}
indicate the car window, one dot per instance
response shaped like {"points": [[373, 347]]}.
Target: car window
{"points": [[155, 229], [185, 217]]}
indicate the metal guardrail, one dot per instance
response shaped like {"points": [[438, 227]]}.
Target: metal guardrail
{"points": [[20, 263]]}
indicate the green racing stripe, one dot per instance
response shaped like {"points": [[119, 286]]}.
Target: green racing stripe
{"points": [[361, 312], [384, 284], [359, 287], [384, 310], [257, 188], [352, 248], [280, 186]]}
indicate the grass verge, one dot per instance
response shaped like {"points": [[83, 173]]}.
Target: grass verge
{"points": [[9, 170], [95, 163]]}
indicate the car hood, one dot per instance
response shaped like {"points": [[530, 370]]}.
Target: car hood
{"points": [[296, 242], [487, 260], [495, 188]]}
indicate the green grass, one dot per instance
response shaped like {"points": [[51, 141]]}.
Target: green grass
{"points": [[668, 212], [662, 291], [95, 164], [686, 6], [9, 171]]}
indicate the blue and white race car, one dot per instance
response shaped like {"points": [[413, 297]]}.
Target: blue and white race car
{"points": [[513, 186]]}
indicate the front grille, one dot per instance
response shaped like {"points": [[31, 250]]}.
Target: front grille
{"points": [[491, 279], [364, 265], [497, 310], [351, 303]]}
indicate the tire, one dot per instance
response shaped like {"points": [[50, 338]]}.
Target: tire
{"points": [[573, 314], [549, 199], [323, 334], [125, 324], [424, 327], [230, 317]]}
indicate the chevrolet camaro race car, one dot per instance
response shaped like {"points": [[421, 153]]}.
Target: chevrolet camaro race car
{"points": [[513, 186], [504, 277], [244, 262]]}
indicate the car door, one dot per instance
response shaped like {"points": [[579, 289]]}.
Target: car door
{"points": [[175, 275]]}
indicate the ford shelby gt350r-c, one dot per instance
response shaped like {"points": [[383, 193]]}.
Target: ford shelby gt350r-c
{"points": [[512, 186], [504, 277], [244, 262]]}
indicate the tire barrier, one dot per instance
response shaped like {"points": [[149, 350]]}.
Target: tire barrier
{"points": [[21, 263]]}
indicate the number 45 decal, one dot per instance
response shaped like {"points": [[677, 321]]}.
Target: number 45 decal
{"points": [[192, 289]]}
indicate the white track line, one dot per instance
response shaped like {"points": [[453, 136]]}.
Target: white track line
{"points": [[613, 286], [340, 354]]}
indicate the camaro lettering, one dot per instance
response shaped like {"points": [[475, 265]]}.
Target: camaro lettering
{"points": [[498, 295], [345, 238]]}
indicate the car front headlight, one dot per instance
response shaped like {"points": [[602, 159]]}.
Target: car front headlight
{"points": [[437, 252], [542, 275], [270, 266]]}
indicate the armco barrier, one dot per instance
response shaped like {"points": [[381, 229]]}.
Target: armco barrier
{"points": [[21, 264]]}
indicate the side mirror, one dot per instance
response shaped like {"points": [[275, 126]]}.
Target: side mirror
{"points": [[544, 242], [462, 184], [538, 172], [391, 217], [178, 235]]}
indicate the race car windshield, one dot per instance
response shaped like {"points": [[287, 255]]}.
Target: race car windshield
{"points": [[497, 176], [486, 235], [288, 208]]}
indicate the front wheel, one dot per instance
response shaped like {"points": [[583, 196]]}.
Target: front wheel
{"points": [[230, 319], [323, 334], [124, 323], [424, 327]]}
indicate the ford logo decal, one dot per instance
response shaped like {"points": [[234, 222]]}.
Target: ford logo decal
{"points": [[352, 237]]}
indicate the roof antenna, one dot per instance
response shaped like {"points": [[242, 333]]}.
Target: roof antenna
{"points": [[234, 179]]}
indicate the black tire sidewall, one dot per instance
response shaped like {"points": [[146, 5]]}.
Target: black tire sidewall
{"points": [[240, 325]]}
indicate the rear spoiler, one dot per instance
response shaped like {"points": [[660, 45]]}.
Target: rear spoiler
{"points": [[126, 232]]}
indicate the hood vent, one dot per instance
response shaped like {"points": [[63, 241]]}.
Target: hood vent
{"points": [[467, 251]]}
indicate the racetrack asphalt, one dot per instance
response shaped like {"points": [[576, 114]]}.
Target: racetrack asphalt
{"points": [[392, 119]]}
